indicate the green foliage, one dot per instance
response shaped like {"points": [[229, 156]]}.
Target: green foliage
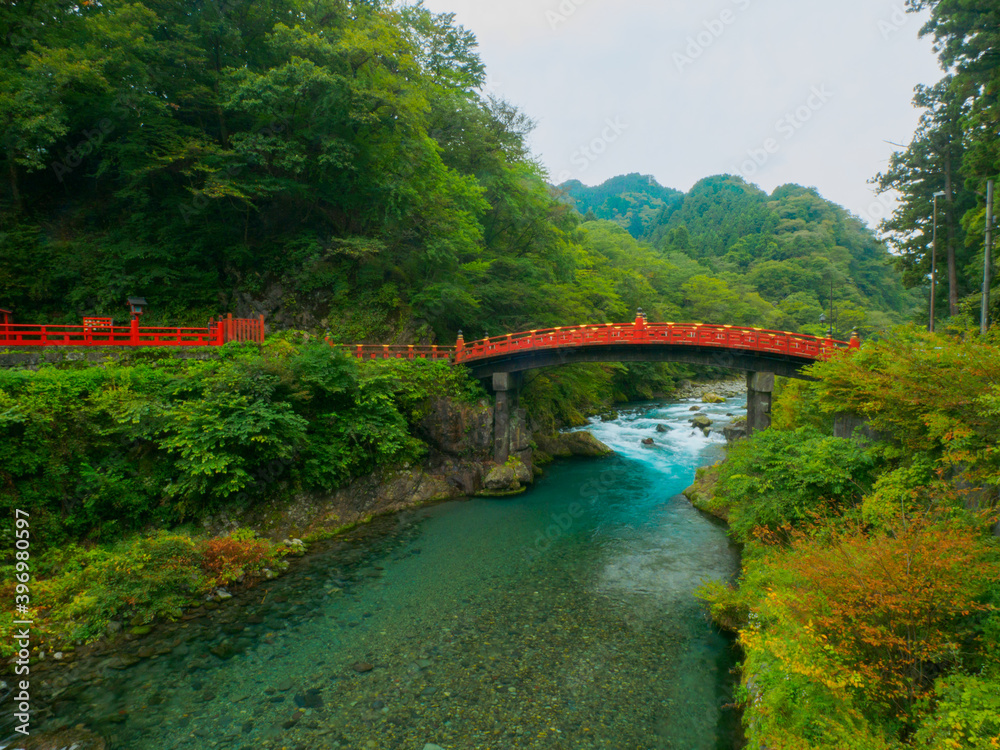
{"points": [[77, 591], [868, 604], [102, 451], [965, 714], [780, 478], [754, 259]]}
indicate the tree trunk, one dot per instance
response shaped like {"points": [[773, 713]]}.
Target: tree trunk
{"points": [[949, 223]]}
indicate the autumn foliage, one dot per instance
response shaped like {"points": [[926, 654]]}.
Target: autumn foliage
{"points": [[880, 614], [227, 558], [869, 605]]}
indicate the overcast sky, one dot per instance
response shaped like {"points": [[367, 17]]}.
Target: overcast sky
{"points": [[776, 90]]}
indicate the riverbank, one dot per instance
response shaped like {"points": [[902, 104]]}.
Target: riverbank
{"points": [[466, 580]]}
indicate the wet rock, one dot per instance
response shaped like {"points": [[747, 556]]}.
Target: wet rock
{"points": [[247, 727], [141, 630], [701, 421], [609, 416], [662, 428], [361, 667], [568, 444], [432, 746], [122, 661], [712, 398], [309, 699], [502, 478], [649, 441], [695, 408], [224, 650]]}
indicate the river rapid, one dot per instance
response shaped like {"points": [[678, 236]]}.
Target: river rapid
{"points": [[562, 618]]}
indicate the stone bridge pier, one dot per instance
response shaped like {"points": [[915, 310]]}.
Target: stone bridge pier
{"points": [[760, 390], [510, 421]]}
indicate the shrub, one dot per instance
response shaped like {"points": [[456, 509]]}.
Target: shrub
{"points": [[226, 558], [784, 478]]}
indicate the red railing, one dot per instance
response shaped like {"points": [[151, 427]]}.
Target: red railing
{"points": [[96, 332], [614, 334], [390, 351]]}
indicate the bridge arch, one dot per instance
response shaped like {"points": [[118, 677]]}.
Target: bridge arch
{"points": [[500, 361]]}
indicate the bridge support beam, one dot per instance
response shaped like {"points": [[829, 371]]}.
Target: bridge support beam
{"points": [[760, 389], [506, 387]]}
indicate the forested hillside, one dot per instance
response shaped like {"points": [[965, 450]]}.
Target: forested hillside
{"points": [[338, 169], [793, 248]]}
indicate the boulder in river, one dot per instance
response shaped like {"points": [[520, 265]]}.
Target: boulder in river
{"points": [[649, 441], [701, 421], [566, 444], [502, 478], [713, 398], [662, 428]]}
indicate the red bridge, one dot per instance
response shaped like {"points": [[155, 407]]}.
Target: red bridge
{"points": [[502, 360], [751, 349]]}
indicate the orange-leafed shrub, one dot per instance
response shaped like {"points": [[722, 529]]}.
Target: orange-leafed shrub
{"points": [[226, 558]]}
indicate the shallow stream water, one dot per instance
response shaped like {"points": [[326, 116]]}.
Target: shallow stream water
{"points": [[563, 618]]}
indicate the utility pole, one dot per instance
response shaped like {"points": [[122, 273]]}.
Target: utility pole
{"points": [[984, 318], [930, 322]]}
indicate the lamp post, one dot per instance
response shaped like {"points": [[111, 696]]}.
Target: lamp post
{"points": [[930, 322]]}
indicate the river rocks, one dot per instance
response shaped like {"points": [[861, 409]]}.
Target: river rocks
{"points": [[725, 389], [662, 428], [78, 739], [701, 421], [508, 479], [609, 416], [362, 667], [712, 398], [311, 698], [566, 444], [649, 441], [735, 431]]}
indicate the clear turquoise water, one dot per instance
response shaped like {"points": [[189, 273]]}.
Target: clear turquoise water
{"points": [[563, 618]]}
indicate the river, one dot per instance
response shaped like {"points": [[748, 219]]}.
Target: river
{"points": [[562, 618]]}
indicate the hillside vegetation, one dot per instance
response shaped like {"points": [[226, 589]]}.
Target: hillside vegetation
{"points": [[792, 248], [868, 608]]}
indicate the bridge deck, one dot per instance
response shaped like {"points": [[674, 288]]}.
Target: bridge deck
{"points": [[623, 342]]}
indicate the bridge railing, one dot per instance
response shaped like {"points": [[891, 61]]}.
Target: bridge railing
{"points": [[30, 335], [390, 351], [675, 334], [101, 332]]}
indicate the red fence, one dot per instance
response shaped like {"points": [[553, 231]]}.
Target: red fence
{"points": [[97, 332], [390, 351], [613, 334]]}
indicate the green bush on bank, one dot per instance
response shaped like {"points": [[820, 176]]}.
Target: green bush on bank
{"points": [[78, 591], [95, 453], [868, 609]]}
